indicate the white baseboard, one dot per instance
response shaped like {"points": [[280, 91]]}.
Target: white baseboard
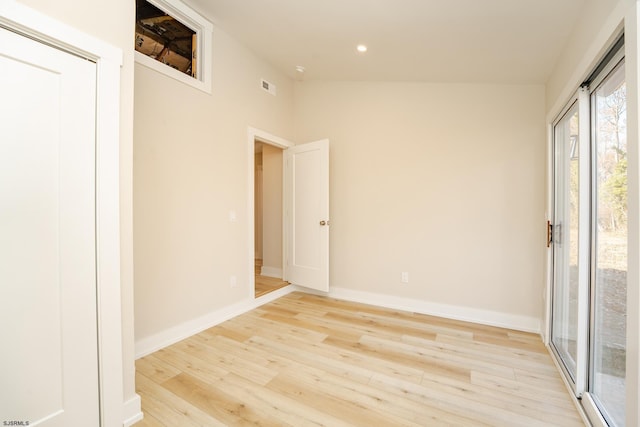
{"points": [[271, 272], [132, 411], [177, 333], [474, 315], [274, 295]]}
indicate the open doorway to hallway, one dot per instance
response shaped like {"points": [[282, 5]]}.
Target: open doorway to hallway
{"points": [[268, 218]]}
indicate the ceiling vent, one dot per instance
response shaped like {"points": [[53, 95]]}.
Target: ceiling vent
{"points": [[269, 87]]}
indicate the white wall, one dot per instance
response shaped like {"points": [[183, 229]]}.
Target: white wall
{"points": [[115, 27], [190, 171], [443, 181], [594, 32], [272, 209]]}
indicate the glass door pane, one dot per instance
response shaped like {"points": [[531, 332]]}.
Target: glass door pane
{"points": [[565, 239], [607, 382]]}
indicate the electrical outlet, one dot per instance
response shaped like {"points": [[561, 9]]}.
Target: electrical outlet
{"points": [[233, 281], [405, 277]]}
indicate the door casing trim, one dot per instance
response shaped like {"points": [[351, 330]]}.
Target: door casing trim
{"points": [[253, 135]]}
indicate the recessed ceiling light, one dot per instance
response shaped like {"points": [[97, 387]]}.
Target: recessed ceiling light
{"points": [[361, 48], [300, 68]]}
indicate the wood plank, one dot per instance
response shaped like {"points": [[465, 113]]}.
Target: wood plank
{"points": [[337, 360], [346, 403], [216, 402], [156, 368], [150, 421], [554, 395], [163, 406], [193, 365], [229, 362], [286, 410], [385, 354]]}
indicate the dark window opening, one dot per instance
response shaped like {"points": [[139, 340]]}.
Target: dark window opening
{"points": [[165, 39]]}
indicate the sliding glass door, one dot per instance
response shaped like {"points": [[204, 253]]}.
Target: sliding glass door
{"points": [[589, 241], [565, 237], [610, 246]]}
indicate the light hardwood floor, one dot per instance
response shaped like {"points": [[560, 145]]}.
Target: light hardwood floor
{"points": [[265, 284], [305, 360]]}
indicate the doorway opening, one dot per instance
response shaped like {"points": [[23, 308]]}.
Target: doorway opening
{"points": [[268, 193], [301, 225]]}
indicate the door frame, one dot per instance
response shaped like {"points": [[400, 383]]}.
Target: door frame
{"points": [[108, 59], [253, 135]]}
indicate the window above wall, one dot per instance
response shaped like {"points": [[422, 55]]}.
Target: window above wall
{"points": [[174, 40]]}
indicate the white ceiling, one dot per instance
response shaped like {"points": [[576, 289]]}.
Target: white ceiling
{"points": [[492, 41]]}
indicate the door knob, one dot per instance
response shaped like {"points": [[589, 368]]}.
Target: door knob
{"points": [[324, 222]]}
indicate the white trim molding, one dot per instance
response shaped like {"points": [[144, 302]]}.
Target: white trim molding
{"points": [[108, 59], [466, 314], [177, 333], [253, 135], [132, 412]]}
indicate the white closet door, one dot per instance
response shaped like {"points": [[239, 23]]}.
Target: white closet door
{"points": [[49, 365]]}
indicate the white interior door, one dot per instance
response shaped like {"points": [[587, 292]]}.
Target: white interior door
{"points": [[306, 215], [49, 369]]}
